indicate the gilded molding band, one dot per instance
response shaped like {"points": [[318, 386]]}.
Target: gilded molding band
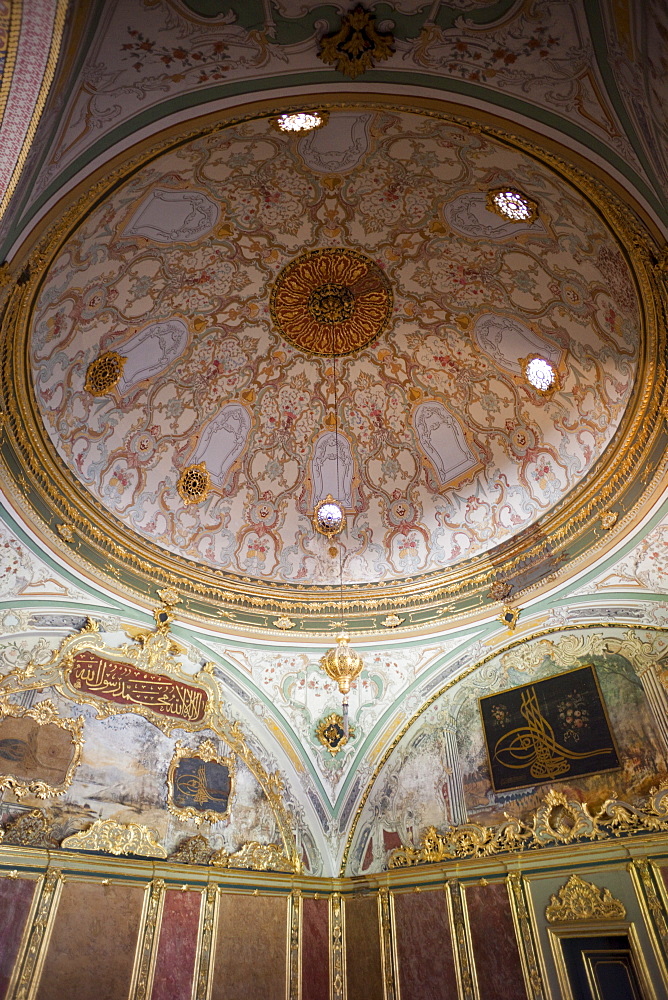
{"points": [[337, 987], [387, 941], [205, 944], [40, 931], [142, 978], [294, 945], [529, 951], [468, 987]]}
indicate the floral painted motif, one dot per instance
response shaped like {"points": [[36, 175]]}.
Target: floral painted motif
{"points": [[448, 451]]}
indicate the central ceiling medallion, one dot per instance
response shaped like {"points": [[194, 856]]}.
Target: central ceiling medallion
{"points": [[331, 302]]}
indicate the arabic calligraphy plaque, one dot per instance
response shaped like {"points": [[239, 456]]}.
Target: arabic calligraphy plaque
{"points": [[125, 684], [548, 731]]}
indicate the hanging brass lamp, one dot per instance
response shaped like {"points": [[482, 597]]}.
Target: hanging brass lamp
{"points": [[344, 666]]}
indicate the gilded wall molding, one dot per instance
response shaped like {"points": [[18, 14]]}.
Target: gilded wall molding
{"points": [[578, 900], [35, 473], [529, 950], [557, 820], [44, 913]]}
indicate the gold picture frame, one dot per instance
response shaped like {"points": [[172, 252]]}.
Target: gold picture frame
{"points": [[44, 713], [195, 786]]}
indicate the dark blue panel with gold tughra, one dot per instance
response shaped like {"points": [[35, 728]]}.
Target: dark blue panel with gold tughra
{"points": [[202, 785]]}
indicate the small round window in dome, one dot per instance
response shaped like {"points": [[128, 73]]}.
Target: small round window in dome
{"points": [[512, 205], [300, 121], [540, 374], [329, 517]]}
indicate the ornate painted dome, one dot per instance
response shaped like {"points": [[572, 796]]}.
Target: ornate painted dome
{"points": [[201, 332]]}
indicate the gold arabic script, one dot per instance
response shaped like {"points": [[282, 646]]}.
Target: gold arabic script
{"points": [[126, 684], [535, 746]]}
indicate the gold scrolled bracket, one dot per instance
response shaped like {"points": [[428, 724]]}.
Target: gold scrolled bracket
{"points": [[578, 900], [116, 838]]}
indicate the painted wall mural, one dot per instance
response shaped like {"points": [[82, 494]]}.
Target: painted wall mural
{"points": [[451, 451], [439, 774]]}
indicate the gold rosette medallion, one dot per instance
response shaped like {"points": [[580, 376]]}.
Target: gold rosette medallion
{"points": [[331, 302]]}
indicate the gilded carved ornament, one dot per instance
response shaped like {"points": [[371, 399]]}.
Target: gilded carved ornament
{"points": [[251, 856], [144, 678], [557, 820], [188, 793], [357, 45], [580, 900], [116, 838]]}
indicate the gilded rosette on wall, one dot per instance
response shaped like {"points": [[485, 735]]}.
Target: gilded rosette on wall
{"points": [[331, 302], [200, 783], [39, 751]]}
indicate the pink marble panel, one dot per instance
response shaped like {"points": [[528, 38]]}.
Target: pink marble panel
{"points": [[495, 951], [177, 946], [424, 946], [315, 949], [250, 959], [363, 955], [15, 899]]}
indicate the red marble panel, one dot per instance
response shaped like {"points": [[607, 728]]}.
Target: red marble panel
{"points": [[495, 951], [250, 960], [93, 944], [664, 876], [364, 966], [177, 946], [15, 899], [424, 946], [315, 949]]}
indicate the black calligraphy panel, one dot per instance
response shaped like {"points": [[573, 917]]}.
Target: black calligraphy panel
{"points": [[549, 730]]}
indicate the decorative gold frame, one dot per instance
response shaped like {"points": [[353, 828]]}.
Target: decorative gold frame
{"points": [[44, 713], [206, 752], [491, 205], [318, 527], [600, 928]]}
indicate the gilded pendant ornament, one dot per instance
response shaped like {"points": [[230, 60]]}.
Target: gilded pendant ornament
{"points": [[103, 374], [200, 783], [557, 820], [331, 302], [194, 484], [116, 838], [43, 751], [357, 45], [580, 900], [331, 733]]}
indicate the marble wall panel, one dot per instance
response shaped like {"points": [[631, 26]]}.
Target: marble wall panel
{"points": [[15, 898], [251, 948], [177, 946], [92, 948], [363, 955], [495, 952], [424, 946], [315, 949]]}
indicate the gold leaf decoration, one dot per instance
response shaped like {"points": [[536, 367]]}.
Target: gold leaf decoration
{"points": [[356, 46], [193, 851], [557, 820], [103, 374], [116, 838], [30, 830], [258, 857], [194, 484], [580, 900]]}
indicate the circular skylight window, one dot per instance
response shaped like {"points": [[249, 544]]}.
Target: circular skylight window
{"points": [[512, 205], [540, 374], [300, 121]]}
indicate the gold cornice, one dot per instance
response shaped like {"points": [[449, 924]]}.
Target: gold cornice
{"points": [[114, 549]]}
